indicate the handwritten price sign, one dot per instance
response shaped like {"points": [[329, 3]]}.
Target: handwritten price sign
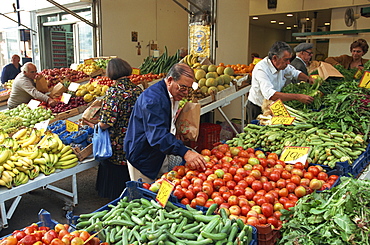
{"points": [[282, 120], [135, 71], [278, 109], [71, 126], [164, 192], [365, 80], [293, 154]]}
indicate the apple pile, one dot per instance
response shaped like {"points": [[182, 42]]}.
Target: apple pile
{"points": [[42, 235], [249, 184], [102, 80], [56, 75]]}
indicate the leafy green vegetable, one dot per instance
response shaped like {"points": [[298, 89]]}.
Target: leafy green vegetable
{"points": [[337, 216]]}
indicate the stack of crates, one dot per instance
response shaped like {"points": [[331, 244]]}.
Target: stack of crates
{"points": [[209, 134]]}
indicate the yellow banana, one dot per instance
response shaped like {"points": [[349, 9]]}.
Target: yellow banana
{"points": [[15, 171], [46, 156], [7, 167], [1, 169], [41, 161], [13, 158], [25, 180], [65, 149], [20, 133], [3, 135], [31, 140], [10, 163], [69, 166], [42, 141], [8, 173], [69, 152], [2, 182], [34, 154], [66, 163], [67, 157], [4, 155], [18, 164]]}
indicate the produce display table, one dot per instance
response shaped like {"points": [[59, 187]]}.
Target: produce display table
{"points": [[44, 182], [218, 104]]}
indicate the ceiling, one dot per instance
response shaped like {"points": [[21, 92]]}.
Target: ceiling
{"points": [[296, 21]]}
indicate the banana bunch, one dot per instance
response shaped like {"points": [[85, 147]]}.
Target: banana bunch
{"points": [[67, 158], [20, 179], [27, 136], [3, 136], [33, 173], [5, 154], [50, 143], [7, 178], [191, 60], [46, 170], [30, 152]]}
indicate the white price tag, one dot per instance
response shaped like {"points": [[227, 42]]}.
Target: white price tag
{"points": [[73, 86], [33, 104], [65, 98], [42, 125]]}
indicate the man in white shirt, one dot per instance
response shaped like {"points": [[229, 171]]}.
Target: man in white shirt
{"points": [[269, 77]]}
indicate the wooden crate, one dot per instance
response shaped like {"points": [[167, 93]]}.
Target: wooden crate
{"points": [[82, 154]]}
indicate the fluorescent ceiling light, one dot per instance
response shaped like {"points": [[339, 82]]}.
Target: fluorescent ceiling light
{"points": [[288, 27], [273, 21], [255, 17], [281, 22], [295, 25], [307, 18], [327, 23], [289, 15]]}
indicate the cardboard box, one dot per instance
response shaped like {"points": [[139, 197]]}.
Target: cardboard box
{"points": [[67, 114], [226, 92]]}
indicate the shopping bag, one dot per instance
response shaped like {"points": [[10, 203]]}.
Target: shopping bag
{"points": [[102, 148], [187, 122]]}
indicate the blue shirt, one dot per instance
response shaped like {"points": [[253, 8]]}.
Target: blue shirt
{"points": [[9, 72], [148, 138]]}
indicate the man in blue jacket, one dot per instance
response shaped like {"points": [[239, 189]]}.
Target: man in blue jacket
{"points": [[10, 71], [151, 131]]}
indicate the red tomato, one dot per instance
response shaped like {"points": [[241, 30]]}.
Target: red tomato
{"points": [[322, 176], [314, 170], [231, 184], [217, 183], [238, 177], [253, 221], [256, 185], [273, 221], [178, 193], [189, 195], [249, 193], [260, 200], [272, 156], [250, 179], [274, 176], [288, 204], [226, 195], [283, 192], [281, 183], [300, 191], [286, 174], [238, 190], [270, 198], [296, 179], [218, 200], [200, 200], [267, 209], [207, 188], [235, 210]]}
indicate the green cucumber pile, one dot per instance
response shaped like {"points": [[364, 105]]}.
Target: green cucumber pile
{"points": [[141, 221], [162, 64], [327, 146]]}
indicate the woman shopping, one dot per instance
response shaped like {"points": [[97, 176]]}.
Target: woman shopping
{"points": [[115, 113], [358, 49]]}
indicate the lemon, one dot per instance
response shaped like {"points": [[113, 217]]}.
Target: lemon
{"points": [[88, 97]]}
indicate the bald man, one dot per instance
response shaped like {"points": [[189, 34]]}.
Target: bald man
{"points": [[10, 71], [24, 88]]}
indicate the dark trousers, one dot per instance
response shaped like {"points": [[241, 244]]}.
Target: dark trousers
{"points": [[252, 111]]}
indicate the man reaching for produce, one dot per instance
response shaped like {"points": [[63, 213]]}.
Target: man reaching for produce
{"points": [[24, 88], [150, 135], [270, 75]]}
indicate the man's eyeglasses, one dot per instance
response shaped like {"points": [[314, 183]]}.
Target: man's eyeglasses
{"points": [[182, 88], [309, 53], [356, 51]]}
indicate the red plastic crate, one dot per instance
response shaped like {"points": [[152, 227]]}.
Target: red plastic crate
{"points": [[266, 235], [209, 134]]}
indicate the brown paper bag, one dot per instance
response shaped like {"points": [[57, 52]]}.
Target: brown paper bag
{"points": [[57, 91], [187, 123], [92, 113], [42, 84], [326, 70]]}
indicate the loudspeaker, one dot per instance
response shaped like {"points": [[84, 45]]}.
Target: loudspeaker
{"points": [[271, 4]]}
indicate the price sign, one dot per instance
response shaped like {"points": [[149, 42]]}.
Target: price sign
{"points": [[65, 98], [73, 86], [33, 104], [365, 80], [164, 192], [293, 154], [282, 120], [135, 71], [71, 126], [256, 60], [278, 109], [42, 126]]}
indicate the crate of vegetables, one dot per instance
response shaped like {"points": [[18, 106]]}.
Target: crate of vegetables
{"points": [[142, 219]]}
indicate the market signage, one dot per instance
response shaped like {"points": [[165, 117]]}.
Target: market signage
{"points": [[278, 109], [71, 126], [164, 192], [282, 120], [365, 80], [33, 104], [294, 154], [65, 98]]}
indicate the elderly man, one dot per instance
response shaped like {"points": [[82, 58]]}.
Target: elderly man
{"points": [[269, 77], [10, 71], [150, 135], [24, 88], [303, 57]]}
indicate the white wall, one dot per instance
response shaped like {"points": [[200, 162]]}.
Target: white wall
{"points": [[158, 20], [339, 46]]}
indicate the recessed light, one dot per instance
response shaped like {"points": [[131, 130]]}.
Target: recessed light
{"points": [[307, 18], [273, 21], [255, 17], [295, 25], [281, 22], [327, 23], [289, 15], [288, 27]]}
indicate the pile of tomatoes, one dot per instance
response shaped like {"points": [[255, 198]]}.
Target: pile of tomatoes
{"points": [[102, 80], [137, 79], [249, 184], [42, 235]]}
